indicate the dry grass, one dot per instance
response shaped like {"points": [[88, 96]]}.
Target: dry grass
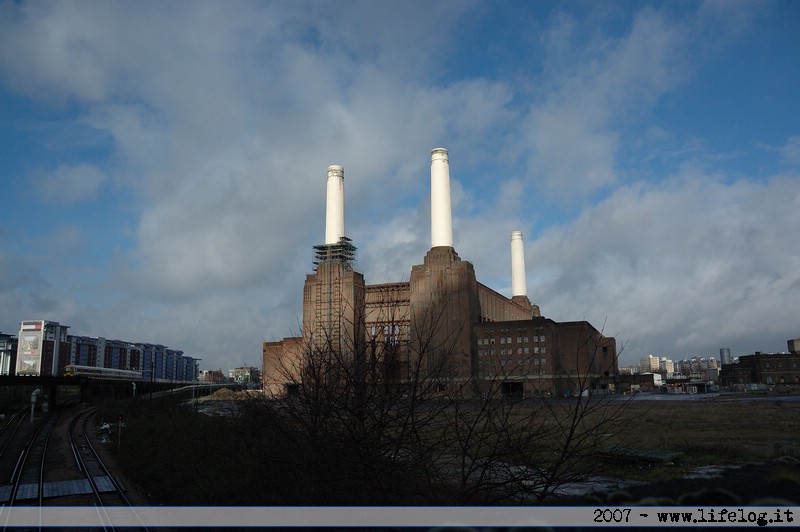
{"points": [[716, 431]]}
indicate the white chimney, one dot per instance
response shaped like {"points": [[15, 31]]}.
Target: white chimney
{"points": [[441, 215], [334, 208], [518, 284]]}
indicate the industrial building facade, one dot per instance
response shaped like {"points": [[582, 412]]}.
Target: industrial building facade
{"points": [[766, 369], [442, 324]]}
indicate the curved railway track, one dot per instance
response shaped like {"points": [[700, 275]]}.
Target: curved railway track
{"points": [[8, 431], [106, 490], [27, 480], [83, 478]]}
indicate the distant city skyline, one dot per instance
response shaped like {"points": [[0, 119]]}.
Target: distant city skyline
{"points": [[164, 164]]}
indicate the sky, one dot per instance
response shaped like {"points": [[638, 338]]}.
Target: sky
{"points": [[163, 163]]}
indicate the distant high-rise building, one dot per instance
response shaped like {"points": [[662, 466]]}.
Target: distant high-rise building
{"points": [[725, 355], [8, 354], [40, 346], [649, 364], [45, 348]]}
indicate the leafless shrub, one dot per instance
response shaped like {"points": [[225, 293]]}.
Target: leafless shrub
{"points": [[398, 418]]}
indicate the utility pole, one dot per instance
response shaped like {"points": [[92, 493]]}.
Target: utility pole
{"points": [[119, 431], [33, 401]]}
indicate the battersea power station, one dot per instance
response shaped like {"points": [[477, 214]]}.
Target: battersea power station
{"points": [[441, 325]]}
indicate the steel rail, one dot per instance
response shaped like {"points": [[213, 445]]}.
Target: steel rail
{"points": [[93, 467], [34, 451], [7, 432]]}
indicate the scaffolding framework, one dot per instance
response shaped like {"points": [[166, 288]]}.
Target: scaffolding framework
{"points": [[334, 267], [343, 252]]}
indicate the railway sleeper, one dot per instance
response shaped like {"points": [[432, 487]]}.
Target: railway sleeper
{"points": [[59, 488]]}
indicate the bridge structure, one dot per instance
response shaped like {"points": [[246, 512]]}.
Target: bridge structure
{"points": [[53, 389]]}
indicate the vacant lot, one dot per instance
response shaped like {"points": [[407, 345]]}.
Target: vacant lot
{"points": [[183, 457], [728, 429]]}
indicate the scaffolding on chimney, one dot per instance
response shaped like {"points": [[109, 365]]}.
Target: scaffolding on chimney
{"points": [[343, 252], [331, 261]]}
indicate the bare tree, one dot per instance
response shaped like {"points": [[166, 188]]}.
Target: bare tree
{"points": [[383, 420], [491, 449]]}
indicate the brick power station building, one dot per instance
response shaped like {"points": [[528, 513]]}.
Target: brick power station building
{"points": [[442, 324]]}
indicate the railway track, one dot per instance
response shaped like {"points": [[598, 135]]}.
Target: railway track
{"points": [[106, 490], [27, 480], [77, 474], [8, 433]]}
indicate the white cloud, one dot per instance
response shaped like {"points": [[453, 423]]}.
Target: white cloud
{"points": [[791, 151], [574, 132], [69, 183], [690, 266]]}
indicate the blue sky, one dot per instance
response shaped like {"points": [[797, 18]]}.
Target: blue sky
{"points": [[163, 163]]}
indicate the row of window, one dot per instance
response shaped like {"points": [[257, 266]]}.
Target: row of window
{"points": [[780, 380], [780, 364], [509, 340], [504, 330], [392, 329], [510, 351], [488, 373], [509, 362]]}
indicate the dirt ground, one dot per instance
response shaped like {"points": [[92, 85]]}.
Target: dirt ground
{"points": [[735, 448]]}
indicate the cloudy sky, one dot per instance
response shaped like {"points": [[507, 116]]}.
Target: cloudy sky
{"points": [[163, 164]]}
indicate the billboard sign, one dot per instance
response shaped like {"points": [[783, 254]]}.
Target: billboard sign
{"points": [[29, 348]]}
